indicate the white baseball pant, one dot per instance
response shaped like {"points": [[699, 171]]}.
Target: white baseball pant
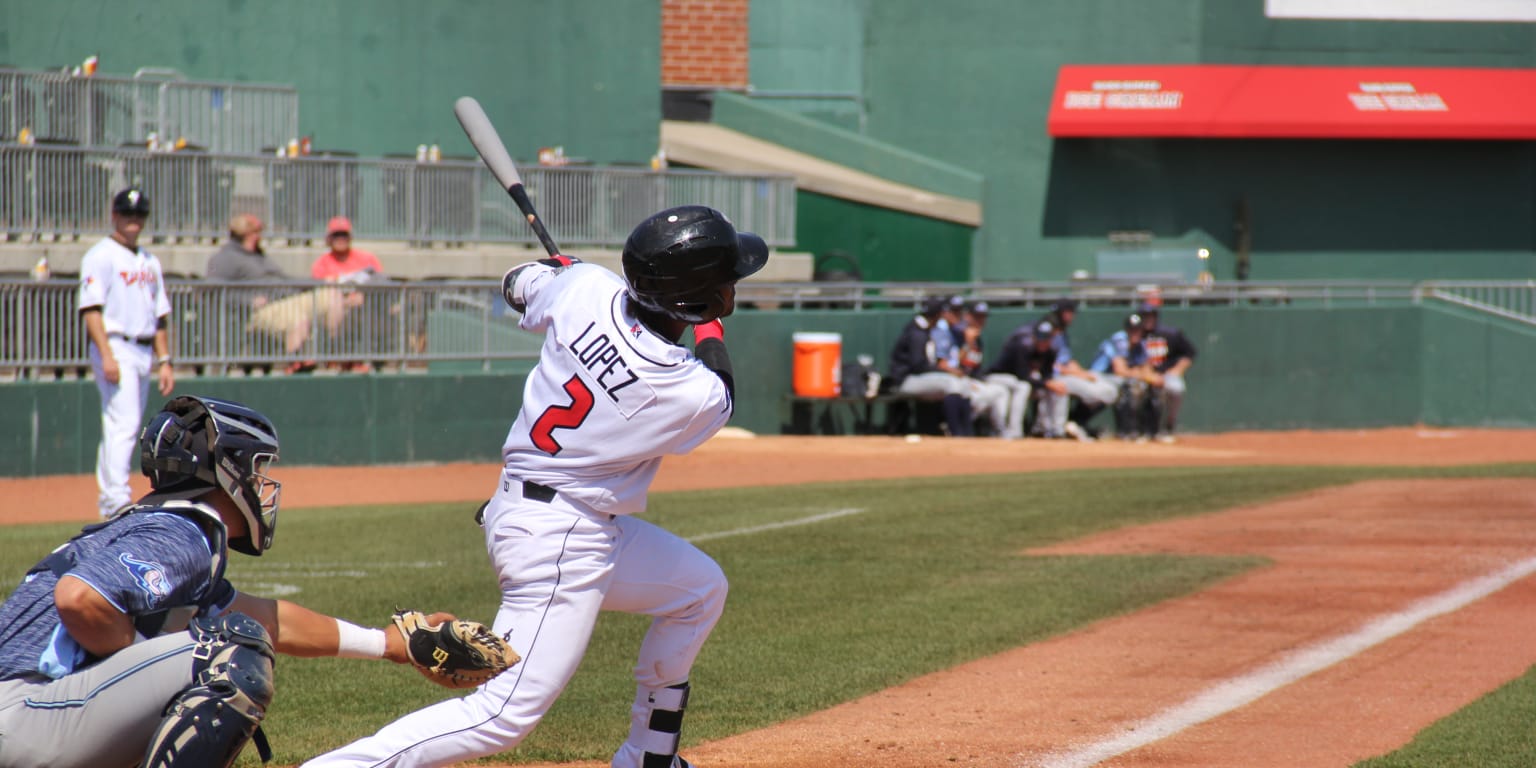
{"points": [[122, 416], [558, 565]]}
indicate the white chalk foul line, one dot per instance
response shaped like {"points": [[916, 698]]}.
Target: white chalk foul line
{"points": [[775, 526], [1239, 691]]}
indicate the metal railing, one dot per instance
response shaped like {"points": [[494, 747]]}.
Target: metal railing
{"points": [[1510, 300], [867, 295], [221, 327], [109, 111], [50, 191]]}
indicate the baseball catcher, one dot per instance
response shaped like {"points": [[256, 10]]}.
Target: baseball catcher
{"points": [[454, 654]]}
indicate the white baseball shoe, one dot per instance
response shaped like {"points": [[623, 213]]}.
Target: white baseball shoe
{"points": [[1076, 431], [630, 756]]}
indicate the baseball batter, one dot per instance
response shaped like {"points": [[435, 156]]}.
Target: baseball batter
{"points": [[123, 303], [612, 394]]}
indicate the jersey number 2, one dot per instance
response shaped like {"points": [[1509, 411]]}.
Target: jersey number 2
{"points": [[562, 416]]}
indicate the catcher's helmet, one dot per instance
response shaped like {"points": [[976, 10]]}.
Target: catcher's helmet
{"points": [[196, 444], [677, 261], [131, 201]]}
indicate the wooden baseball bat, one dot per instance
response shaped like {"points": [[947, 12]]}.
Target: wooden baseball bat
{"points": [[494, 154]]}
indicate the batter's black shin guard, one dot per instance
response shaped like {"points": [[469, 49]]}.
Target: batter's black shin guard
{"points": [[656, 724]]}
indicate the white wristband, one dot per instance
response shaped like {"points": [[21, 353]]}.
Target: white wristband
{"points": [[358, 642]]}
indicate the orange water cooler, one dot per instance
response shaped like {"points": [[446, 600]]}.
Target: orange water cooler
{"points": [[818, 364]]}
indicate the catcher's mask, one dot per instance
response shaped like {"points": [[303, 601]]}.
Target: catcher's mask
{"points": [[677, 261], [196, 444]]}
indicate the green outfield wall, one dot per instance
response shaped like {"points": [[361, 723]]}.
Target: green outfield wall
{"points": [[882, 244], [970, 85], [1259, 367]]}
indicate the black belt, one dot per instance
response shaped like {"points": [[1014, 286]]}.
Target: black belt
{"points": [[536, 492], [531, 490], [143, 340]]}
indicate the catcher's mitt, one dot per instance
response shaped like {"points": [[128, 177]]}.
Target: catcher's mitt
{"points": [[454, 654]]}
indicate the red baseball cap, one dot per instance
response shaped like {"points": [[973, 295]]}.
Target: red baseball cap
{"points": [[338, 224]]}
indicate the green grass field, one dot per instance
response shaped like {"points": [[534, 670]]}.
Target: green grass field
{"points": [[926, 576]]}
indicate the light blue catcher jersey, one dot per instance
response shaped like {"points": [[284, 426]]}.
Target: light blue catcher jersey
{"points": [[147, 564]]}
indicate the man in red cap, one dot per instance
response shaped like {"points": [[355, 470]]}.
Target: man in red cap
{"points": [[345, 264]]}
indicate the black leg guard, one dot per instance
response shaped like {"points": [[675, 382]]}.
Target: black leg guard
{"points": [[1171, 403], [957, 414], [1153, 414], [208, 724], [656, 724], [1127, 406]]}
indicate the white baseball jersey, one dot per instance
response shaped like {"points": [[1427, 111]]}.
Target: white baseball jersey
{"points": [[127, 285], [609, 397]]}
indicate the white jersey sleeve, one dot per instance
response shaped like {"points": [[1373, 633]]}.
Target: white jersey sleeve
{"points": [[95, 276], [609, 397]]}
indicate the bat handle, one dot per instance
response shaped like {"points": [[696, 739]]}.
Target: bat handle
{"points": [[520, 196]]}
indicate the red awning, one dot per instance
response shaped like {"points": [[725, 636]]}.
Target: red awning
{"points": [[1223, 101]]}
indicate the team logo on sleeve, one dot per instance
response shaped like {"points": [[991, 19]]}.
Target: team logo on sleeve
{"points": [[150, 576]]}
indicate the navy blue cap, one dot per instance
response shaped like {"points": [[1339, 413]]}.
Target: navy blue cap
{"points": [[131, 201]]}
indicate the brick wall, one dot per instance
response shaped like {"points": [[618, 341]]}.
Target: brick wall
{"points": [[704, 43]]}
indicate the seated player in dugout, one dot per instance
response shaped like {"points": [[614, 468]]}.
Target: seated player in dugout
{"points": [[1170, 354], [1122, 361], [917, 369], [127, 646], [1088, 394]]}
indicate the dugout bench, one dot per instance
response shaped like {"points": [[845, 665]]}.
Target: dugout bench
{"points": [[888, 413]]}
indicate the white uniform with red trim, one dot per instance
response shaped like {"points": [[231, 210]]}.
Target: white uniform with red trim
{"points": [[129, 287], [608, 399]]}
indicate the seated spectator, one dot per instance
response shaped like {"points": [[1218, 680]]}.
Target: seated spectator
{"points": [[1026, 366], [1170, 354], [1122, 361], [917, 370], [342, 259], [241, 259], [1089, 394], [346, 265]]}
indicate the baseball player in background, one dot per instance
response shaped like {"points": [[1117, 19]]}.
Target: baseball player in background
{"points": [[126, 646], [1170, 353], [1122, 360], [613, 393], [1092, 393], [123, 303]]}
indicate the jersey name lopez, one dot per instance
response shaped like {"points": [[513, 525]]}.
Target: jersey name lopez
{"points": [[606, 364]]}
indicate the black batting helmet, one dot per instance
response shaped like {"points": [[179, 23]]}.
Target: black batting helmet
{"points": [[196, 444], [131, 201], [677, 261]]}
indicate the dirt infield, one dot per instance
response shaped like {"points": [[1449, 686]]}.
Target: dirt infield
{"points": [[1371, 624]]}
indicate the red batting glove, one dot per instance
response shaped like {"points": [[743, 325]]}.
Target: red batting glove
{"points": [[710, 330]]}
